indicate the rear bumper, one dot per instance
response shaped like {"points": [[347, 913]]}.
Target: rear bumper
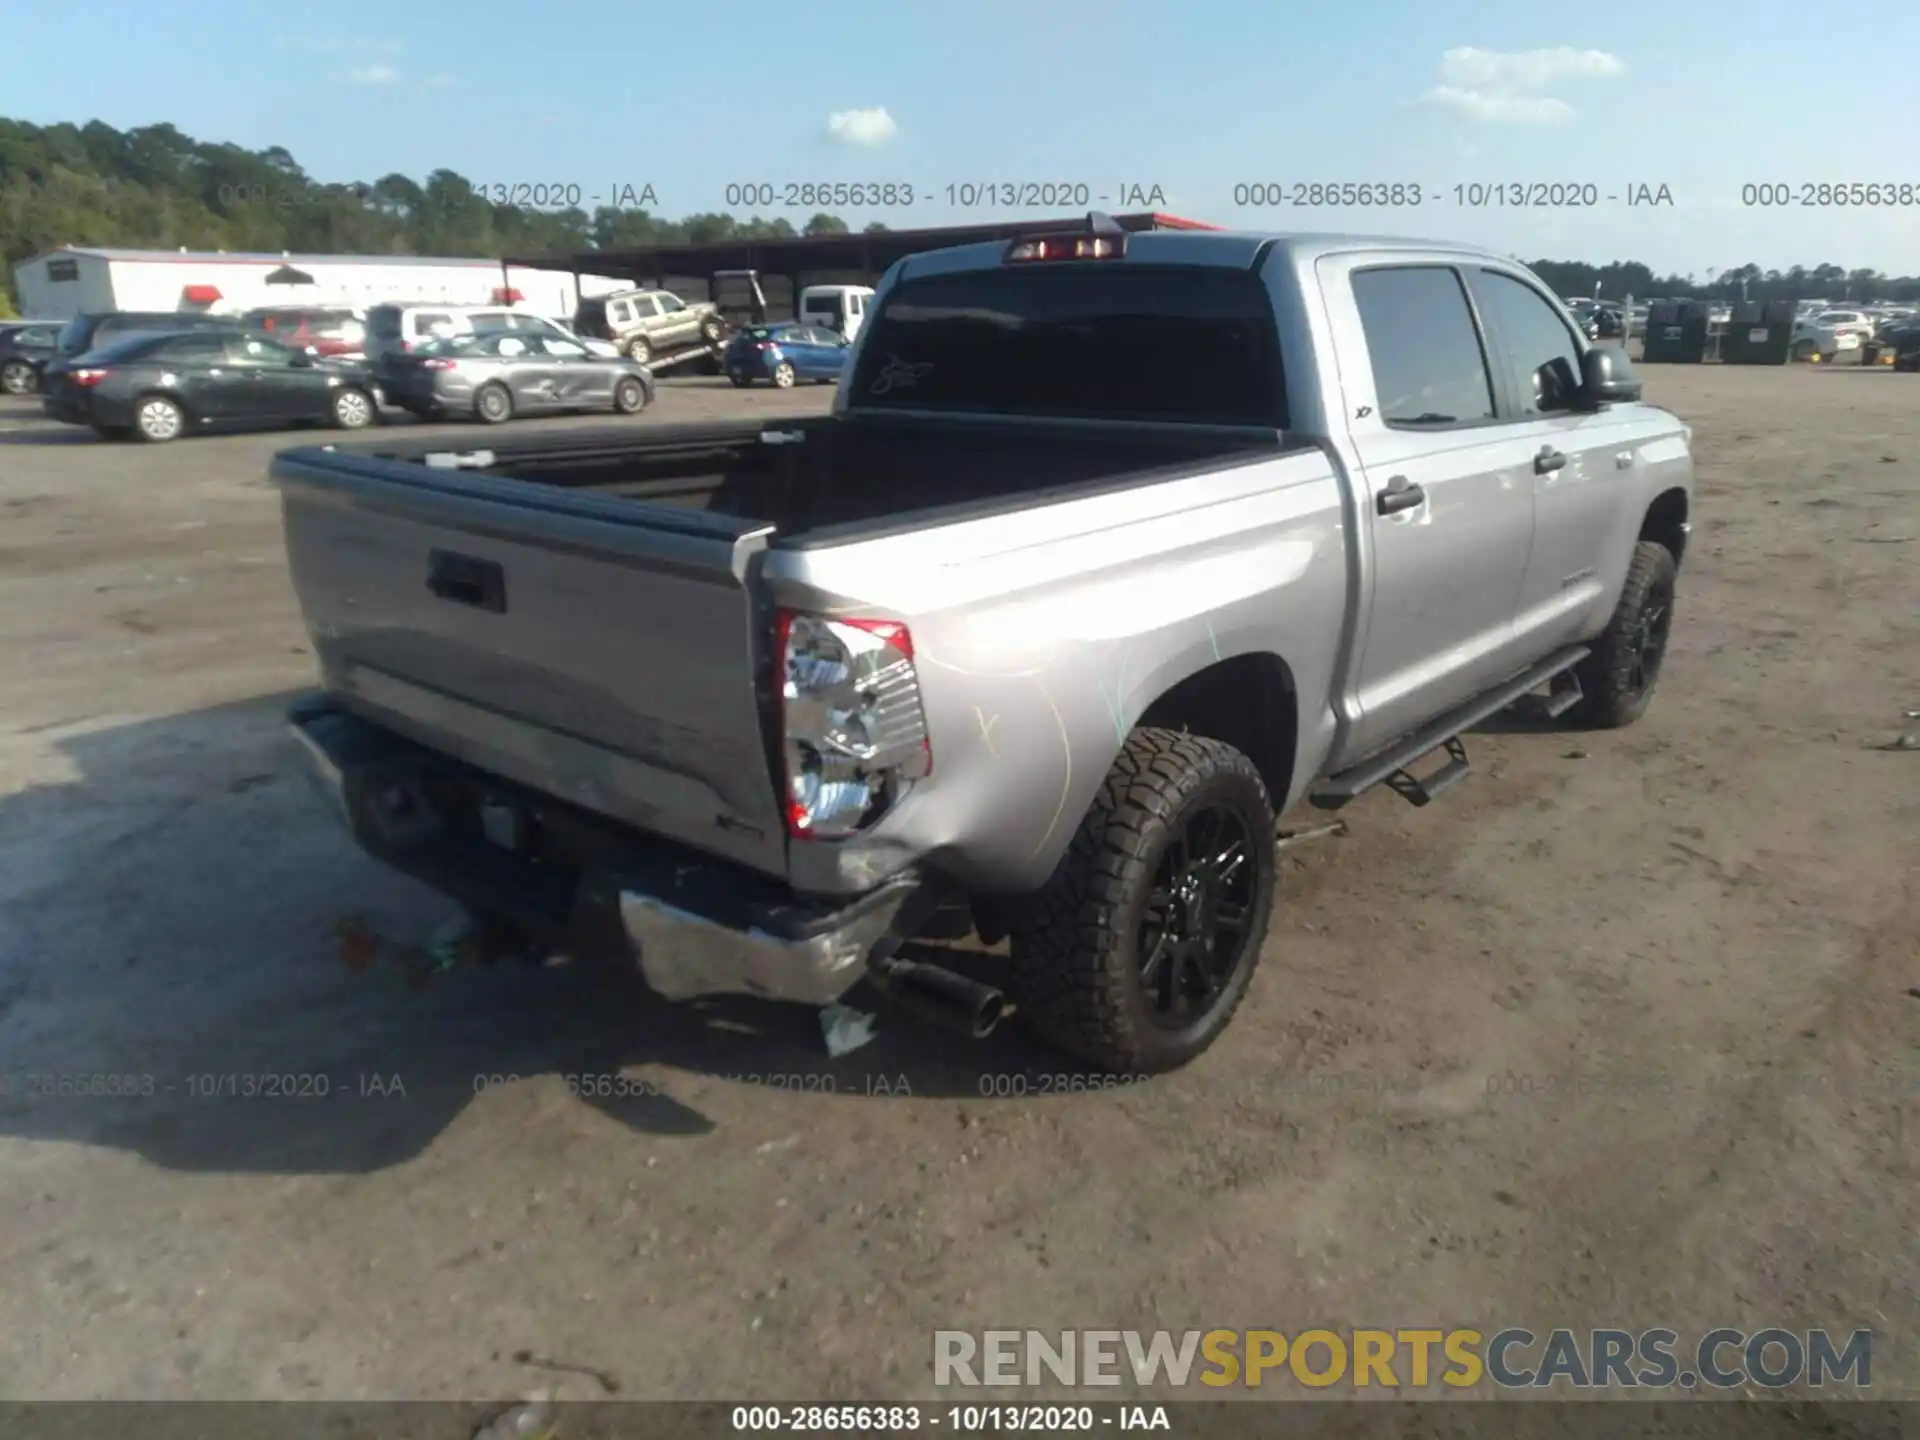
{"points": [[696, 925]]}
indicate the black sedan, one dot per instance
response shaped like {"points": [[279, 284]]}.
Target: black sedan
{"points": [[160, 386], [25, 350]]}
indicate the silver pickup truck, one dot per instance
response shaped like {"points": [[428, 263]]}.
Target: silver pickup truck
{"points": [[1113, 548]]}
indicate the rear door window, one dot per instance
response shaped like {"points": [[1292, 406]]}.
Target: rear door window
{"points": [[433, 322], [1428, 365], [1120, 341]]}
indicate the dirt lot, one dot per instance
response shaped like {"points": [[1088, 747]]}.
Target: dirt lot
{"points": [[1620, 1033]]}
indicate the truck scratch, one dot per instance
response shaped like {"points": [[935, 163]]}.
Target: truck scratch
{"points": [[1066, 778], [986, 729]]}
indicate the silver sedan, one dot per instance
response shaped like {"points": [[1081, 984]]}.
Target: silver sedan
{"points": [[501, 374]]}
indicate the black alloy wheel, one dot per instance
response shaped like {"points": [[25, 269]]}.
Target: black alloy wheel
{"points": [[1194, 929]]}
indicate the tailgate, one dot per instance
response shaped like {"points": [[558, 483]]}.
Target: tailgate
{"points": [[597, 649]]}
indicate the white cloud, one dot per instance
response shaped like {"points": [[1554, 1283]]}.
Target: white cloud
{"points": [[1503, 87], [1501, 109], [373, 75], [867, 128], [1475, 69]]}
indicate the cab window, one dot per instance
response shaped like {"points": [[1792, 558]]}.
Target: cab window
{"points": [[1428, 366], [1531, 343]]}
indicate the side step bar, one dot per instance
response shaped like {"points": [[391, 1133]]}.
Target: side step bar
{"points": [[1390, 766]]}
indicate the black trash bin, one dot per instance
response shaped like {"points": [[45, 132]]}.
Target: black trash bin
{"points": [[1759, 333]]}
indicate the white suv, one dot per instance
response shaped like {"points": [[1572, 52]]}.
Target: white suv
{"points": [[396, 329]]}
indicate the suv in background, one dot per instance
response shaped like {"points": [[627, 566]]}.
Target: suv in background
{"points": [[89, 331], [398, 329], [327, 332], [641, 323]]}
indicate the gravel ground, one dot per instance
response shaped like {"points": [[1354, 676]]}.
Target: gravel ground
{"points": [[1621, 1033]]}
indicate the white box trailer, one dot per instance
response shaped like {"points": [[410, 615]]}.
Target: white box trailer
{"points": [[67, 282]]}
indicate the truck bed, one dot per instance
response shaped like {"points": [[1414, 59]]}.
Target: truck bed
{"points": [[579, 612], [827, 474]]}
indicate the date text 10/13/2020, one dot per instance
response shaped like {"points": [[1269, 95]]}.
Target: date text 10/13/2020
{"points": [[959, 1419]]}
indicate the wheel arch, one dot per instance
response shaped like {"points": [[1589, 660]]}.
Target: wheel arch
{"points": [[1249, 701], [1667, 523]]}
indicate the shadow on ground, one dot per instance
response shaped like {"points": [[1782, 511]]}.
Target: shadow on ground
{"points": [[170, 913]]}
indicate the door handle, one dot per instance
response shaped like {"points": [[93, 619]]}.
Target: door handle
{"points": [[1548, 461], [467, 580], [1399, 495]]}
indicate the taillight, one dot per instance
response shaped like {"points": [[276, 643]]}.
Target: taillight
{"points": [[766, 346], [853, 730], [88, 378], [439, 364]]}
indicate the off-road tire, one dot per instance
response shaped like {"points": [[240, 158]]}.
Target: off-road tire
{"points": [[1075, 963], [1610, 694]]}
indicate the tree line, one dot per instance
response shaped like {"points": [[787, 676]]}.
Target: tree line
{"points": [[154, 188]]}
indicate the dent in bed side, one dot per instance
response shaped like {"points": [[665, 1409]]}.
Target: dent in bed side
{"points": [[1042, 639]]}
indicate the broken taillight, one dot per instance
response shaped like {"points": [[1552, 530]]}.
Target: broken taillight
{"points": [[853, 729]]}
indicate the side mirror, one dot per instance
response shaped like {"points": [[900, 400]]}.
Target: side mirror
{"points": [[1606, 378], [302, 360]]}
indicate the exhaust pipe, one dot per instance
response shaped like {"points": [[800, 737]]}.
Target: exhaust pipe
{"points": [[945, 997]]}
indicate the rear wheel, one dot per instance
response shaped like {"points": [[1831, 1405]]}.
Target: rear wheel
{"points": [[1617, 679], [1142, 945], [639, 350], [493, 404], [1805, 349], [352, 409], [17, 378], [629, 397], [783, 375], [158, 420]]}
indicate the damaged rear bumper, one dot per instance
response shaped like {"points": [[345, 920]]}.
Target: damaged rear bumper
{"points": [[697, 925]]}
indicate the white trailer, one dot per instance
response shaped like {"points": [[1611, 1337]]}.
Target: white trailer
{"points": [[67, 282]]}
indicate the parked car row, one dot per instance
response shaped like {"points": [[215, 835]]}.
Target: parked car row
{"points": [[157, 376]]}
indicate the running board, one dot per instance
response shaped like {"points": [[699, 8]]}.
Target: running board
{"points": [[1390, 766]]}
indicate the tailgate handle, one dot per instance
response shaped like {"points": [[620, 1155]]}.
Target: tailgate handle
{"points": [[467, 580]]}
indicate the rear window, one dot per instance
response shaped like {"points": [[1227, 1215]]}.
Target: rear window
{"points": [[131, 345], [1096, 341]]}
